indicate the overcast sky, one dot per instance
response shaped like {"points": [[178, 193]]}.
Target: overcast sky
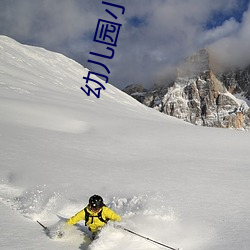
{"points": [[155, 34]]}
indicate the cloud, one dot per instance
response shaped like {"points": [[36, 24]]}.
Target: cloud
{"points": [[155, 35], [51, 23], [228, 28], [233, 49]]}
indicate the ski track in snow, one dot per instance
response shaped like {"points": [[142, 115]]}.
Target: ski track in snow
{"points": [[145, 214]]}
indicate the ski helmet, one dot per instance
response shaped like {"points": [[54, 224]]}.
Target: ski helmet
{"points": [[95, 202]]}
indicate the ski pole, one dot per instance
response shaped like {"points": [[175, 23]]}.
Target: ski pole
{"points": [[146, 238], [45, 228]]}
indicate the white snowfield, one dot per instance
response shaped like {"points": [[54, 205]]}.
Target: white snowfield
{"points": [[184, 186]]}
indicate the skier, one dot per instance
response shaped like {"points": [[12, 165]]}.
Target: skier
{"points": [[95, 214]]}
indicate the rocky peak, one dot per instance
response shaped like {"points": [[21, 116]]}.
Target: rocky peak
{"points": [[196, 64], [201, 97]]}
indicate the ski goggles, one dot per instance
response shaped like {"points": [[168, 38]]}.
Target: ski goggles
{"points": [[94, 208]]}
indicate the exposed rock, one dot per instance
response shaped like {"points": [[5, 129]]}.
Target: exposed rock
{"points": [[133, 88], [237, 81], [201, 97], [137, 91]]}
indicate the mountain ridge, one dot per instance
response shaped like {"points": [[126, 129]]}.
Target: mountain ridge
{"points": [[200, 95]]}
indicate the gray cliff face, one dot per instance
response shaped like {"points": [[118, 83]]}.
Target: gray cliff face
{"points": [[200, 97], [237, 81]]}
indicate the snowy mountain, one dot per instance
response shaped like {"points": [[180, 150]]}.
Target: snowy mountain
{"points": [[182, 185], [237, 81], [201, 96]]}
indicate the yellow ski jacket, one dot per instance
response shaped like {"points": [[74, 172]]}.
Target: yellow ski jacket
{"points": [[94, 223]]}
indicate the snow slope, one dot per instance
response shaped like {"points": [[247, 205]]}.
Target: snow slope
{"points": [[179, 184]]}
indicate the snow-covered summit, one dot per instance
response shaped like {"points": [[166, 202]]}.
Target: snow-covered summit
{"points": [[43, 69], [33, 75]]}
